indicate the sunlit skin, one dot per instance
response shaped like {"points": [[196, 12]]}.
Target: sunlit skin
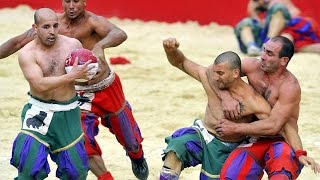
{"points": [[74, 9], [47, 30], [270, 57], [222, 75], [94, 32]]}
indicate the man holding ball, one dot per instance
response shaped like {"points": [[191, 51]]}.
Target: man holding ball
{"points": [[51, 118], [102, 97]]}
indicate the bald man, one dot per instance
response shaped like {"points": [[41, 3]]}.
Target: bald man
{"points": [[202, 143], [51, 118], [105, 101]]}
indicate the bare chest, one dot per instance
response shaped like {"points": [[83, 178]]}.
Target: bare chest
{"points": [[269, 90], [52, 63], [85, 34]]}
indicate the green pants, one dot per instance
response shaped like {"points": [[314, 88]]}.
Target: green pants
{"points": [[50, 128], [195, 145]]}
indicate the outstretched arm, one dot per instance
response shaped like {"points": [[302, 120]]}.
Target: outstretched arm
{"points": [[177, 59], [14, 44]]}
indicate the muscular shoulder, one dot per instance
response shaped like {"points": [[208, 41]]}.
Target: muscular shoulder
{"points": [[250, 65], [29, 48], [27, 55], [94, 18], [71, 42], [60, 15], [254, 103], [290, 84], [99, 22]]}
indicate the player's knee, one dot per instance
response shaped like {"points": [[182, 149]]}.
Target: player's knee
{"points": [[168, 174], [280, 11], [278, 15], [245, 23], [283, 150], [280, 175]]}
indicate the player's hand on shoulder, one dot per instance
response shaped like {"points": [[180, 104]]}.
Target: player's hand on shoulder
{"points": [[170, 44]]}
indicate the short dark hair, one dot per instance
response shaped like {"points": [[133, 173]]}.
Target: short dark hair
{"points": [[38, 13], [287, 49], [36, 17], [231, 58]]}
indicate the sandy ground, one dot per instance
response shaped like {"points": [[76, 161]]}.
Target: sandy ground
{"points": [[162, 97]]}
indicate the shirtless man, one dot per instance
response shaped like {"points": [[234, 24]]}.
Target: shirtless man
{"points": [[96, 33], [282, 17], [51, 118], [270, 78], [201, 144]]}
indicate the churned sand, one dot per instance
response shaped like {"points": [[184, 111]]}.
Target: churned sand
{"points": [[163, 98]]}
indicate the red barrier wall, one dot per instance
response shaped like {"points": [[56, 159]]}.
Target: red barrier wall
{"points": [[226, 12]]}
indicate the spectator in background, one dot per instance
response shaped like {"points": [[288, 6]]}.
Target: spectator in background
{"points": [[269, 18]]}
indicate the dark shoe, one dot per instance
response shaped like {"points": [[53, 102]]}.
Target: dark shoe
{"points": [[140, 169]]}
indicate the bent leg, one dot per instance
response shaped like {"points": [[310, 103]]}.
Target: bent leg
{"points": [[29, 156], [171, 167], [127, 132], [72, 163], [276, 24], [90, 124], [312, 48], [305, 33], [241, 165], [277, 19], [185, 149], [280, 159], [248, 35]]}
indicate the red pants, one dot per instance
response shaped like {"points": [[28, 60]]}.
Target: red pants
{"points": [[109, 105], [273, 155]]}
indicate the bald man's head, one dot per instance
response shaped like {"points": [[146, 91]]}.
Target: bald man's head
{"points": [[46, 25], [230, 58], [43, 13]]}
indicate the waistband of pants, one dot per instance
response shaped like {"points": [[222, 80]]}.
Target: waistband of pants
{"points": [[53, 106], [208, 136], [98, 86]]}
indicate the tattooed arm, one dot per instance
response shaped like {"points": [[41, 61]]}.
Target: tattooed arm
{"points": [[14, 44]]}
